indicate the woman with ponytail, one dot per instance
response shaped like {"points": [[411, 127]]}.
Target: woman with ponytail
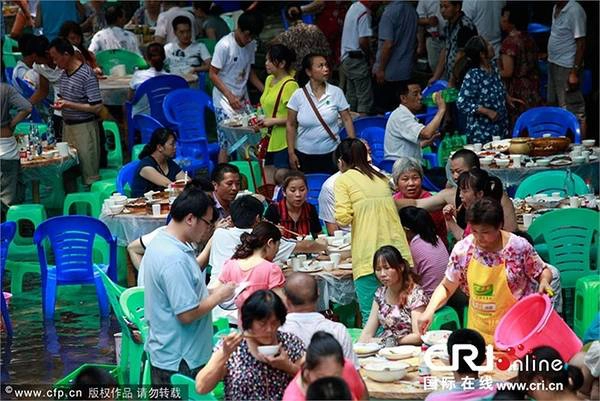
{"points": [[548, 377], [482, 97], [252, 262], [312, 119], [474, 185], [157, 169], [155, 56]]}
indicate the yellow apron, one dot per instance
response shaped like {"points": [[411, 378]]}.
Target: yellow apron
{"points": [[489, 297]]}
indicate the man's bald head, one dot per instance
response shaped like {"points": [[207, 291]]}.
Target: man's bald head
{"points": [[301, 290]]}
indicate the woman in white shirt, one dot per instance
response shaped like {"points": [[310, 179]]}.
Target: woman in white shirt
{"points": [[311, 143]]}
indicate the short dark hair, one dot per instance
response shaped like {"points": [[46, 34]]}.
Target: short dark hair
{"points": [[403, 88], [252, 22], [468, 156], [571, 377], [466, 336], [113, 13], [293, 175], [245, 210], [181, 19], [261, 305], [91, 376], [222, 168], [155, 54], [200, 183], [24, 42], [479, 180], [457, 3], [328, 388], [62, 46], [279, 53], [420, 222], [39, 45], [205, 6], [191, 200], [518, 14], [322, 345], [486, 211]]}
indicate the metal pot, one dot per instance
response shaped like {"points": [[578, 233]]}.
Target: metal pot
{"points": [[519, 146]]}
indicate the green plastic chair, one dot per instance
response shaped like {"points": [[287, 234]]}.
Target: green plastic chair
{"points": [[209, 43], [22, 252], [108, 173], [132, 304], [104, 188], [81, 200], [244, 168], [189, 383], [219, 334], [221, 323], [549, 181], [137, 149], [354, 334], [346, 313], [23, 128], [569, 234], [115, 156], [107, 59], [587, 303], [10, 57], [465, 317], [445, 318], [445, 148]]}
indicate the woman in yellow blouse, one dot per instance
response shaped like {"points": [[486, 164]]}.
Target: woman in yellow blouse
{"points": [[280, 84], [363, 198]]}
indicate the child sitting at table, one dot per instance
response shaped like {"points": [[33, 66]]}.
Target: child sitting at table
{"points": [[467, 385]]}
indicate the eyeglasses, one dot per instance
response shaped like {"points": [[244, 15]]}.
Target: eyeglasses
{"points": [[208, 223]]}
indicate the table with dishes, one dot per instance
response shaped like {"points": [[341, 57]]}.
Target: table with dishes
{"points": [[241, 137], [48, 168], [392, 373], [512, 160], [115, 89]]}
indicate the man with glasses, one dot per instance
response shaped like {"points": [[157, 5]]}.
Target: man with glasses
{"points": [[178, 305], [404, 134]]}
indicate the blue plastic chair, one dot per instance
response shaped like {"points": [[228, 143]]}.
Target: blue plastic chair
{"points": [[386, 165], [536, 27], [375, 137], [315, 182], [193, 155], [125, 177], [146, 125], [430, 112], [8, 231], [72, 241], [547, 120], [8, 72], [155, 89], [360, 124], [185, 109]]}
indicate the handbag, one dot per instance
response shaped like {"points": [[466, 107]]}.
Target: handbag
{"points": [[263, 144], [323, 123]]}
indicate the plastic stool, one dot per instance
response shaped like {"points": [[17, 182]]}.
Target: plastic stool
{"points": [[587, 303], [115, 156], [108, 173], [22, 252], [80, 200], [346, 313], [445, 319], [244, 168], [104, 188], [354, 334]]}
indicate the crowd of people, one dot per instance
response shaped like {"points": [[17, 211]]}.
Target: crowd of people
{"points": [[404, 268]]}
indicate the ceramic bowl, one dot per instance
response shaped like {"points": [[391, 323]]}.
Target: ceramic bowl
{"points": [[386, 372], [588, 143], [486, 161], [502, 162], [116, 209], [578, 159], [119, 200], [268, 350]]}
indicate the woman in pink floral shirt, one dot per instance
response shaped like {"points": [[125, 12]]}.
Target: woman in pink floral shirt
{"points": [[398, 302], [493, 267]]}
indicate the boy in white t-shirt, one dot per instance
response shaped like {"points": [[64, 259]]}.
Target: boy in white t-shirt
{"points": [[231, 69], [184, 56]]}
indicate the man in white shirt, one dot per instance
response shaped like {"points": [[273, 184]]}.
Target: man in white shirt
{"points": [[303, 320], [114, 36], [185, 56], [246, 212], [23, 68], [355, 56], [230, 71], [431, 18], [164, 32], [486, 17], [404, 134], [566, 48]]}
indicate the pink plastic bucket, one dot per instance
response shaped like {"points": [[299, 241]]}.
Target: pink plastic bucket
{"points": [[531, 323]]}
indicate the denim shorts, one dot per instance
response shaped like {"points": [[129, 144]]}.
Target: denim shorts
{"points": [[279, 159]]}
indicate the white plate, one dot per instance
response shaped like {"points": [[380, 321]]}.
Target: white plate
{"points": [[345, 266], [230, 303], [311, 269], [499, 146], [366, 348], [435, 337], [560, 162], [400, 352]]}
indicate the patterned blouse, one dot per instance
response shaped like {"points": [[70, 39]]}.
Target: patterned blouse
{"points": [[482, 88], [249, 379], [523, 265], [395, 320], [304, 39]]}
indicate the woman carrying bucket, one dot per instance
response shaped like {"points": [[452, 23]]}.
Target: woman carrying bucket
{"points": [[493, 267]]}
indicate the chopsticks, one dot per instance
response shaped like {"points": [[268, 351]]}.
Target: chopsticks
{"points": [[295, 234]]}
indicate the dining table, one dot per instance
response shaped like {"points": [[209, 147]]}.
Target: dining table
{"points": [[115, 89]]}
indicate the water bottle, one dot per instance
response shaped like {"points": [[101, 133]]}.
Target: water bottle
{"points": [[424, 370], [449, 94], [50, 135]]}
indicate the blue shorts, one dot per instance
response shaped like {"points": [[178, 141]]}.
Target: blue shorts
{"points": [[279, 159]]}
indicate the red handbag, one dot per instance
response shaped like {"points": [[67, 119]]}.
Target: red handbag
{"points": [[263, 145]]}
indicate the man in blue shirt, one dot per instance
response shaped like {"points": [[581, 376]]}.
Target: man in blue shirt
{"points": [[177, 303]]}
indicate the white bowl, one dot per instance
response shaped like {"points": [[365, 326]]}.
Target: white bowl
{"points": [[486, 161], [119, 200], [116, 209], [268, 350], [366, 348], [386, 372], [434, 337], [399, 352], [578, 159], [502, 162], [543, 162], [588, 143], [327, 265]]}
